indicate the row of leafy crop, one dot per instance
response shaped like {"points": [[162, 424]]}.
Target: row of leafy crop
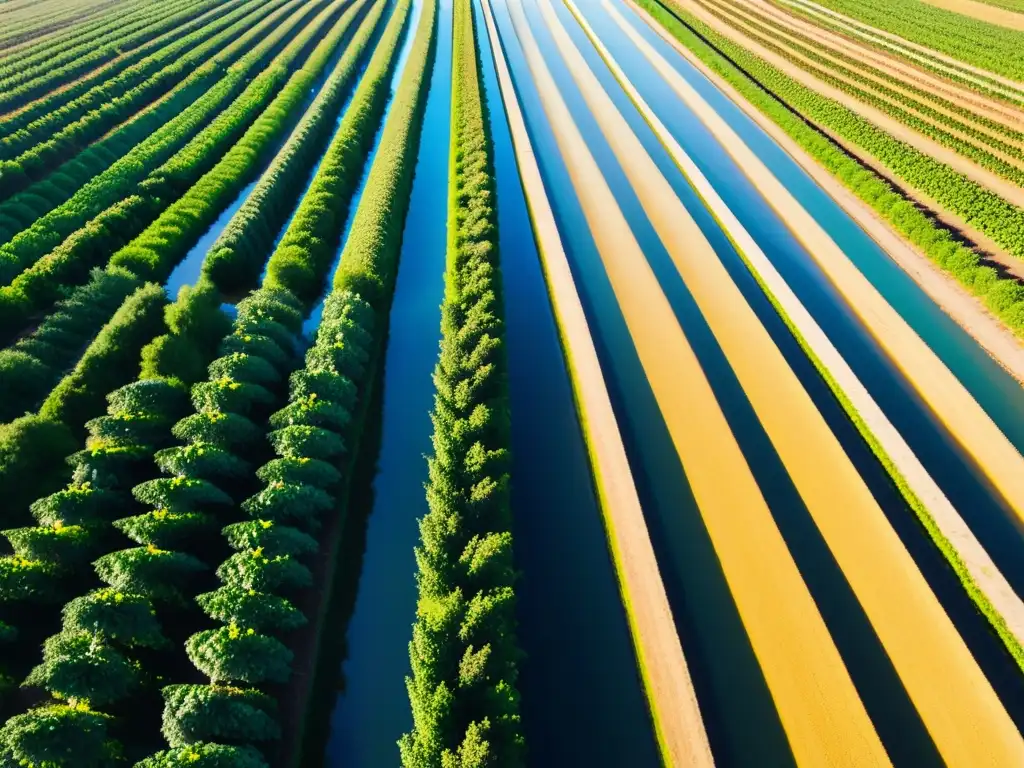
{"points": [[41, 28], [95, 33], [23, 369], [908, 92], [137, 188], [32, 152], [22, 83], [114, 93], [267, 567], [976, 42], [776, 96], [925, 127], [19, 211], [464, 651], [936, 63]]}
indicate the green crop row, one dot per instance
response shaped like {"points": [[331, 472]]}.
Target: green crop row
{"points": [[236, 257], [34, 364], [86, 30], [311, 241], [464, 650], [976, 42], [20, 84], [965, 148], [138, 137], [68, 97], [55, 141], [155, 252], [777, 97], [37, 139], [138, 196]]}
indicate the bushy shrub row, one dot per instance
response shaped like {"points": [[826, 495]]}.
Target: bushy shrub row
{"points": [[464, 650], [155, 252], [19, 85], [236, 257], [109, 632], [771, 91], [252, 604], [311, 241], [32, 366], [36, 220], [37, 145]]}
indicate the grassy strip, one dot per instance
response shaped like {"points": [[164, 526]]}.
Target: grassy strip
{"points": [[234, 260], [1004, 297], [465, 667], [931, 127]]}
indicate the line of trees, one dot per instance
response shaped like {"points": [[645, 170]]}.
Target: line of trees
{"points": [[464, 652]]}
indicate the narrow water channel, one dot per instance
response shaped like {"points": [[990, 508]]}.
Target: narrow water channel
{"points": [[372, 709], [582, 697], [740, 717], [187, 271]]}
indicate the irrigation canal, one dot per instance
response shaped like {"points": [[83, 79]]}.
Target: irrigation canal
{"points": [[744, 722]]}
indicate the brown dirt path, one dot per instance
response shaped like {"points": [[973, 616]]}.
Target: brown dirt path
{"points": [[1002, 187], [824, 718], [956, 702], [666, 676]]}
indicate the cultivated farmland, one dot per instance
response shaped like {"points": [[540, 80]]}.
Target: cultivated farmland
{"points": [[511, 383]]}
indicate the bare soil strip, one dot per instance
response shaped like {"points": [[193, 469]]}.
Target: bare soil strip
{"points": [[821, 712], [1002, 187], [980, 566], [956, 702], [983, 12], [666, 675]]}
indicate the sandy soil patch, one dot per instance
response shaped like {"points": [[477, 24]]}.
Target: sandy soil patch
{"points": [[666, 675], [983, 12], [956, 702]]}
